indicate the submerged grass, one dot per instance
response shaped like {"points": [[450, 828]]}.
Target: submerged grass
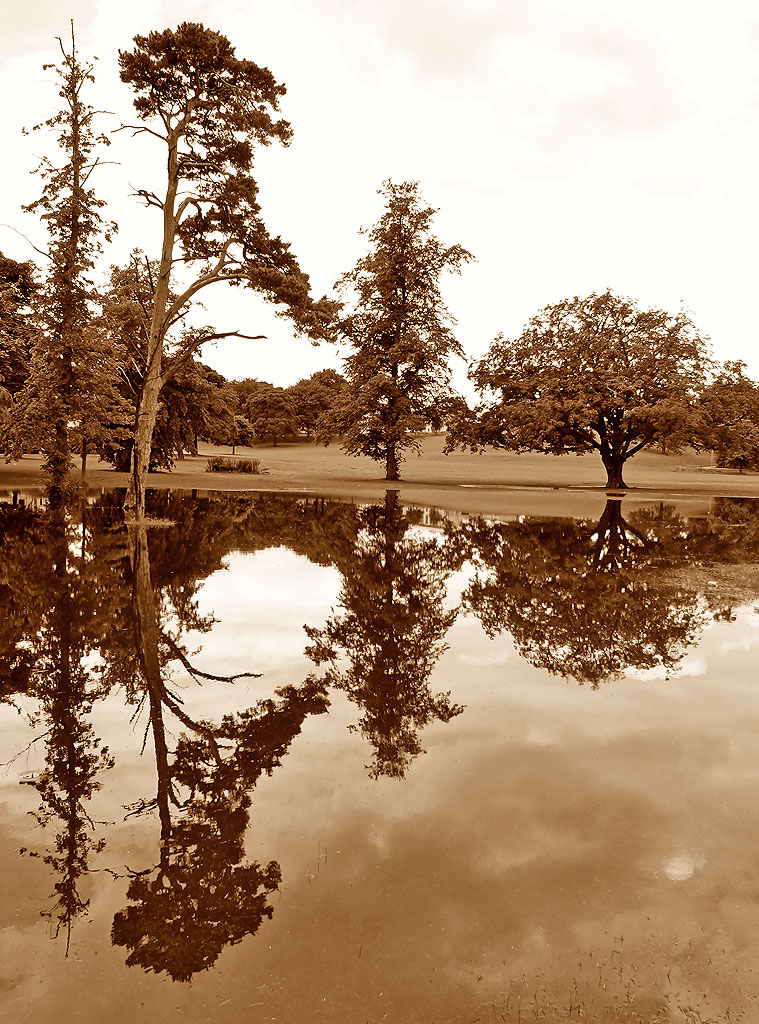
{"points": [[695, 988]]}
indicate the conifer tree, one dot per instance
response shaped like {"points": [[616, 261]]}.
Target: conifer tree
{"points": [[210, 109], [64, 386], [398, 373]]}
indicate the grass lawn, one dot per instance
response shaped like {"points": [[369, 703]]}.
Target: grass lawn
{"points": [[491, 483]]}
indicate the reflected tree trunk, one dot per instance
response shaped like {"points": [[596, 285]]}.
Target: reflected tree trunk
{"points": [[146, 643]]}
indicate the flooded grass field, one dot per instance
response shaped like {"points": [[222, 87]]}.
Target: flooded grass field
{"points": [[295, 760]]}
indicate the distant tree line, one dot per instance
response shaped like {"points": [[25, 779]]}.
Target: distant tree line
{"points": [[114, 368]]}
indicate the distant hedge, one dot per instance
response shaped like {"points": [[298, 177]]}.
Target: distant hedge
{"points": [[224, 464]]}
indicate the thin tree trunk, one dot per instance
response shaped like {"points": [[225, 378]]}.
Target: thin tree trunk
{"points": [[143, 439], [391, 463], [146, 626], [147, 409]]}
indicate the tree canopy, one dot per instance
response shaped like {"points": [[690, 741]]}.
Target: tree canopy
{"points": [[729, 408], [590, 374]]}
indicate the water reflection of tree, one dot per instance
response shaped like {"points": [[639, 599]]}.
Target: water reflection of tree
{"points": [[392, 630], [202, 895], [580, 599], [57, 595], [592, 600], [84, 620]]}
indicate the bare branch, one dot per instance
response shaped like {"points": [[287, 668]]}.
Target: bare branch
{"points": [[185, 357], [27, 239], [136, 129], [150, 198]]}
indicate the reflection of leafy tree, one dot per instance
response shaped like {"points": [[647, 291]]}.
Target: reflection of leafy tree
{"points": [[717, 555], [76, 625], [392, 630], [581, 599], [202, 895]]}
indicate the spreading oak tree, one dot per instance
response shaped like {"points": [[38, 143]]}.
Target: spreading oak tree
{"points": [[595, 374], [400, 331], [210, 110]]}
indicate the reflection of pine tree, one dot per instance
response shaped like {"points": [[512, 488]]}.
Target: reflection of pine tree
{"points": [[66, 632], [582, 599], [392, 630], [202, 895]]}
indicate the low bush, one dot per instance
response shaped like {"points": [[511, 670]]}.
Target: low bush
{"points": [[225, 464]]}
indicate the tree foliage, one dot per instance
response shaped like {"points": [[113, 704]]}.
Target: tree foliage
{"points": [[400, 332], [583, 599], [315, 397], [271, 412], [729, 409], [18, 286], [590, 374]]}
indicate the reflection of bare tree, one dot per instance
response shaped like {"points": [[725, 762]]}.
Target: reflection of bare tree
{"points": [[392, 629], [587, 600], [202, 895]]}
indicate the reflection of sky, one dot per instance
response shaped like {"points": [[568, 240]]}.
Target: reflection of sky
{"points": [[262, 602], [547, 818]]}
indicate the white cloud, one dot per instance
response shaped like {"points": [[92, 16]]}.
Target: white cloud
{"points": [[569, 148]]}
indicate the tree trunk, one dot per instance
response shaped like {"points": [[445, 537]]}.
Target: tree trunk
{"points": [[147, 406], [613, 464], [149, 659], [143, 439], [84, 455], [391, 464]]}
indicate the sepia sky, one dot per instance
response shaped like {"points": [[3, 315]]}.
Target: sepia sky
{"points": [[569, 147]]}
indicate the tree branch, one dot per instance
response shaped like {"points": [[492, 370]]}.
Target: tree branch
{"points": [[195, 672]]}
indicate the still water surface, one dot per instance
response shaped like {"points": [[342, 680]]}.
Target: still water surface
{"points": [[293, 760]]}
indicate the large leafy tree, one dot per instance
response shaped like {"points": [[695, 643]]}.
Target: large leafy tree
{"points": [[314, 396], [209, 109], [594, 374], [584, 599], [270, 412], [729, 409], [400, 331]]}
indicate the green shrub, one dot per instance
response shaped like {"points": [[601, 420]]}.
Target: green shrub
{"points": [[225, 464]]}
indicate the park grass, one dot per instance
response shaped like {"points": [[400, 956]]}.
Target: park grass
{"points": [[492, 483]]}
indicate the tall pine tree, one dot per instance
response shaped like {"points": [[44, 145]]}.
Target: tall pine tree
{"points": [[68, 382]]}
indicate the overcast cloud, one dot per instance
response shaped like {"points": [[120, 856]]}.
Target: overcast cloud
{"points": [[570, 148]]}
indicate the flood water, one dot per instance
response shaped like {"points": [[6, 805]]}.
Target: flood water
{"points": [[283, 759]]}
